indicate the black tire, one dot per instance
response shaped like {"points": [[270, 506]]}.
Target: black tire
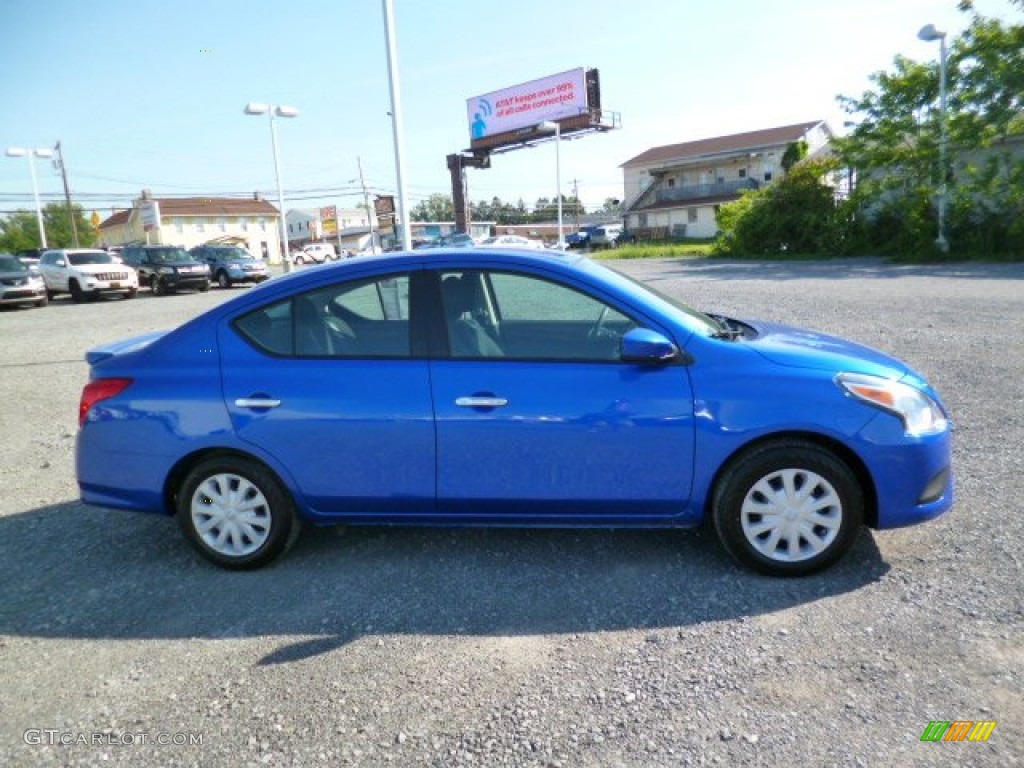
{"points": [[204, 287], [806, 481], [51, 295], [156, 285], [223, 279], [131, 294], [270, 530], [77, 294], [43, 301]]}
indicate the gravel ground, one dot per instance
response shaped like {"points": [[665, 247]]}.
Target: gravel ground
{"points": [[434, 647]]}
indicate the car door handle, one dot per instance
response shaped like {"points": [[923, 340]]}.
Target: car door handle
{"points": [[257, 402], [480, 402]]}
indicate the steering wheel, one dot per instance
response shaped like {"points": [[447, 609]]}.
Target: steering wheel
{"points": [[340, 335], [597, 330]]}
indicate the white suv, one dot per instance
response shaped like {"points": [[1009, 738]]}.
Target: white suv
{"points": [[86, 273]]}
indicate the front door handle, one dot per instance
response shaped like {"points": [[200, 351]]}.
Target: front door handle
{"points": [[481, 402], [257, 402]]}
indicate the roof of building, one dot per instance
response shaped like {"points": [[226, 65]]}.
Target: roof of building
{"points": [[120, 217], [724, 144], [199, 206]]}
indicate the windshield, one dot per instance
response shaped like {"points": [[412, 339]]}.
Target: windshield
{"points": [[232, 254], [171, 254], [9, 263], [693, 318], [90, 257]]}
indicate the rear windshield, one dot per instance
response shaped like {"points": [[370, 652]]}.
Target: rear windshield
{"points": [[92, 257]]}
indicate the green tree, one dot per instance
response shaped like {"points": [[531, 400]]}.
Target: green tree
{"points": [[437, 207], [895, 147], [20, 231], [794, 153], [797, 214]]}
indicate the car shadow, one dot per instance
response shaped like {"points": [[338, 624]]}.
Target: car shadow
{"points": [[80, 572]]}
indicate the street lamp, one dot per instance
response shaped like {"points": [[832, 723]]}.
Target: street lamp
{"points": [[30, 153], [256, 108], [547, 127], [929, 34]]}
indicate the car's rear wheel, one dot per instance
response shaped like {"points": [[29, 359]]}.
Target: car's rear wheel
{"points": [[51, 295], [42, 302], [131, 293], [223, 280], [236, 512], [204, 287], [77, 294], [156, 285], [788, 508]]}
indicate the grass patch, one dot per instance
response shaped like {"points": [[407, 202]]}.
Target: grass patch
{"points": [[680, 249]]}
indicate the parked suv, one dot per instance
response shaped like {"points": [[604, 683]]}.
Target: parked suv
{"points": [[230, 264], [167, 268], [606, 236], [86, 273]]}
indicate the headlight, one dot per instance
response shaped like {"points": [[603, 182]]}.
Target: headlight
{"points": [[921, 415], [165, 270]]}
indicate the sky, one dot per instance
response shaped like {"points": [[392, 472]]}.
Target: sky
{"points": [[150, 95]]}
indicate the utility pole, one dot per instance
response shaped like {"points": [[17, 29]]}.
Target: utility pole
{"points": [[370, 215], [67, 194]]}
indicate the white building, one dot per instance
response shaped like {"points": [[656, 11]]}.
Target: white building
{"points": [[675, 190], [251, 223]]}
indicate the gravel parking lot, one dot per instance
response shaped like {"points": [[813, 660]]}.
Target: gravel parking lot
{"points": [[433, 647]]}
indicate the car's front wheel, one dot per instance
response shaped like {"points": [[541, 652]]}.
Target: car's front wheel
{"points": [[77, 294], [788, 508], [223, 280], [236, 512], [156, 285]]}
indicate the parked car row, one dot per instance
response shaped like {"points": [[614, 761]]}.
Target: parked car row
{"points": [[35, 277]]}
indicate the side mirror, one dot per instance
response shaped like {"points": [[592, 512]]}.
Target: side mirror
{"points": [[642, 345]]}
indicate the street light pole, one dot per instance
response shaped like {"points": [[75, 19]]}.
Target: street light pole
{"points": [[930, 34], [30, 153], [256, 108], [396, 123]]}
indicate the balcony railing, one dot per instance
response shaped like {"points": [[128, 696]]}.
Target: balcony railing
{"points": [[698, 191]]}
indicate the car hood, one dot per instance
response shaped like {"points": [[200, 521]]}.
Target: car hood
{"points": [[800, 348], [95, 269], [15, 275], [122, 346]]}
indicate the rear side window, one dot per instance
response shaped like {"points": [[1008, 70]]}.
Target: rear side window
{"points": [[365, 318]]}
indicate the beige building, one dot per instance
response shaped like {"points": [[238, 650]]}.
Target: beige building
{"points": [[675, 190], [251, 223]]}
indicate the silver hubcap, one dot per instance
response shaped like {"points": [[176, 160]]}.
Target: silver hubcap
{"points": [[231, 515], [791, 515]]}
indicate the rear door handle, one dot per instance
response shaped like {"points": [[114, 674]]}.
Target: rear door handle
{"points": [[257, 402], [481, 402]]}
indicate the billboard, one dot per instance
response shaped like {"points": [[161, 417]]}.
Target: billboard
{"points": [[150, 211], [548, 98], [329, 220]]}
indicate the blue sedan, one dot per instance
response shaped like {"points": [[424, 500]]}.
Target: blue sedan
{"points": [[506, 388]]}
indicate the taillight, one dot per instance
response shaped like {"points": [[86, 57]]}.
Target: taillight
{"points": [[97, 391]]}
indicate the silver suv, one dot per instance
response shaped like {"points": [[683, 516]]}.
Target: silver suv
{"points": [[86, 273]]}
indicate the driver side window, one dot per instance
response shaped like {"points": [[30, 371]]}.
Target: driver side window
{"points": [[525, 317]]}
